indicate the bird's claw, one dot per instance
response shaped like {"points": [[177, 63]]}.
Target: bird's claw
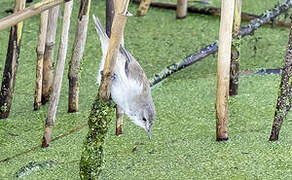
{"points": [[114, 76]]}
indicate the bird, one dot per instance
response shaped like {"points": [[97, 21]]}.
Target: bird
{"points": [[130, 87]]}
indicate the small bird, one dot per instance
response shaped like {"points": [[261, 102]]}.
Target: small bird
{"points": [[130, 86]]}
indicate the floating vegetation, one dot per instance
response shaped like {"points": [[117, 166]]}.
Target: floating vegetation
{"points": [[34, 166]]}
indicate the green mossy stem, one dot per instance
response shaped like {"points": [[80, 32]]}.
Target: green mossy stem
{"points": [[101, 114], [236, 43]]}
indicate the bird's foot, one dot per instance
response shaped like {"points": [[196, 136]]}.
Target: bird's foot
{"points": [[114, 76]]}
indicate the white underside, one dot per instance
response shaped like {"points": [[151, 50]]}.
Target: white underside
{"points": [[124, 90]]}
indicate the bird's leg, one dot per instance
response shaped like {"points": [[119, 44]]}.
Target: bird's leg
{"points": [[119, 120]]}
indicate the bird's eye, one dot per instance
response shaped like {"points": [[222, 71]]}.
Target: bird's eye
{"points": [[144, 119]]}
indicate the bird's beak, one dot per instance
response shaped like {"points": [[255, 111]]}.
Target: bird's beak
{"points": [[149, 134]]}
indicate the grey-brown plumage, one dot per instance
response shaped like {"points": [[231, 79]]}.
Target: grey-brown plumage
{"points": [[130, 86]]}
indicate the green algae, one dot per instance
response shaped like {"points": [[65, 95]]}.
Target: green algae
{"points": [[92, 156], [183, 144]]}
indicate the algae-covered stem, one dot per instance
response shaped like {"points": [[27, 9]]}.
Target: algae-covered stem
{"points": [[265, 18], [284, 101], [249, 29], [56, 89], [223, 70], [11, 64], [143, 7], [40, 59], [48, 74], [234, 65], [77, 54], [102, 109], [181, 9]]}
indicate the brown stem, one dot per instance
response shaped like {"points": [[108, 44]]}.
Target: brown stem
{"points": [[110, 11], [49, 54], [181, 9], [57, 84], [234, 65], [119, 120], [223, 70], [47, 136], [77, 54], [234, 71], [118, 26], [11, 64], [40, 59], [143, 7]]}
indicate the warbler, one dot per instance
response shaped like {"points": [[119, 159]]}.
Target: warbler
{"points": [[130, 87]]}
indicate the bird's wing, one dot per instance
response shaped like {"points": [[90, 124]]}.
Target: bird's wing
{"points": [[133, 69]]}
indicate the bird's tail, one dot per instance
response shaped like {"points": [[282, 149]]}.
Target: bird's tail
{"points": [[102, 35]]}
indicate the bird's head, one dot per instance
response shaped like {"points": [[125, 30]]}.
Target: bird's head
{"points": [[144, 117]]}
